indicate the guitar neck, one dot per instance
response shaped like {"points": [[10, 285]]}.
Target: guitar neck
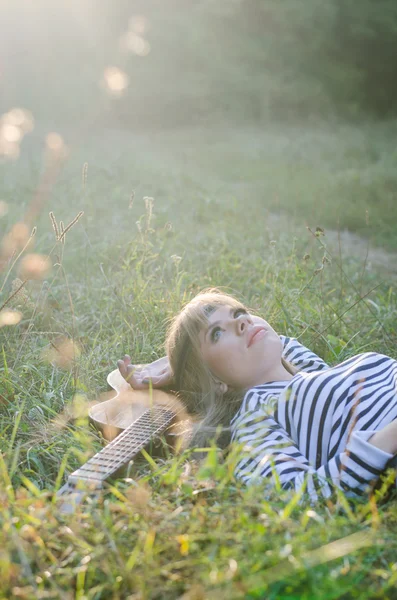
{"points": [[150, 425]]}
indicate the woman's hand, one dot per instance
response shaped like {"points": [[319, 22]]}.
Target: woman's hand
{"points": [[158, 373], [386, 438]]}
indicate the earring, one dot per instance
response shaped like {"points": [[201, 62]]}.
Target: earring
{"points": [[222, 387]]}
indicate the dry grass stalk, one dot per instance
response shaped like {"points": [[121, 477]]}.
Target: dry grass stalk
{"points": [[62, 228], [61, 231], [20, 297], [4, 257], [149, 210], [12, 295], [84, 174], [54, 225], [71, 224]]}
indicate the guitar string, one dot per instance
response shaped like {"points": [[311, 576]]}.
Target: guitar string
{"points": [[95, 464], [128, 446], [157, 423]]}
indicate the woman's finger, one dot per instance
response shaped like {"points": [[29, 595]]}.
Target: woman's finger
{"points": [[158, 380], [122, 368]]}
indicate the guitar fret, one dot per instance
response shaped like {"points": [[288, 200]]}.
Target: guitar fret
{"points": [[152, 422], [125, 446]]}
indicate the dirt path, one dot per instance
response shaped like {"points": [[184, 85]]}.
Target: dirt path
{"points": [[352, 245]]}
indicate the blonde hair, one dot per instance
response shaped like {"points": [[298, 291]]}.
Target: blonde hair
{"points": [[193, 380]]}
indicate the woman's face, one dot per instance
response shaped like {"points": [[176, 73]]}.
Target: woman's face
{"points": [[240, 349]]}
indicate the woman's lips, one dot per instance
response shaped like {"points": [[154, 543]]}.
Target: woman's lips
{"points": [[256, 335]]}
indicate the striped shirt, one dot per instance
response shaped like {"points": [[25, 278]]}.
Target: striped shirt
{"points": [[313, 430]]}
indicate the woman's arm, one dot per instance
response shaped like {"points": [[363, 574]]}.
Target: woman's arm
{"points": [[386, 438], [301, 357], [268, 451]]}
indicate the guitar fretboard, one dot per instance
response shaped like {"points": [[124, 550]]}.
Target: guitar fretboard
{"points": [[151, 424]]}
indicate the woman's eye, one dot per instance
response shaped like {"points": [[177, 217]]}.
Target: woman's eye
{"points": [[215, 334], [239, 311]]}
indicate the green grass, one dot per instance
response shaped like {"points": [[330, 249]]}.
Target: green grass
{"points": [[188, 528]]}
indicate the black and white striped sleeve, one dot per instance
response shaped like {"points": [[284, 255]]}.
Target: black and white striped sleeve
{"points": [[301, 357], [268, 452]]}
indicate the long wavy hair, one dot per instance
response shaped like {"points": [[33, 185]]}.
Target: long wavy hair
{"points": [[193, 380]]}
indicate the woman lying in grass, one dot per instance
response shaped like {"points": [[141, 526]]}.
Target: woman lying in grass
{"points": [[297, 419]]}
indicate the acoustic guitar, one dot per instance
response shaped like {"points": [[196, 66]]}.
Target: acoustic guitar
{"points": [[132, 420]]}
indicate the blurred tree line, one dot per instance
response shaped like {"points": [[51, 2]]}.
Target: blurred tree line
{"points": [[245, 60]]}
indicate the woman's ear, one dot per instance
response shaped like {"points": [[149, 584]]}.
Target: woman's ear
{"points": [[222, 387]]}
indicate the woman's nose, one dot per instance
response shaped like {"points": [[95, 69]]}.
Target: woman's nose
{"points": [[242, 323]]}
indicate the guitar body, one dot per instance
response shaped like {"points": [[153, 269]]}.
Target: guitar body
{"points": [[131, 420], [114, 415]]}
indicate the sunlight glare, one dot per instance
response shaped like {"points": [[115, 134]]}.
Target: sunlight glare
{"points": [[9, 149], [13, 126], [19, 117], [54, 142], [15, 240], [115, 80], [139, 24], [34, 266], [10, 317], [56, 146], [131, 42], [11, 133], [63, 352]]}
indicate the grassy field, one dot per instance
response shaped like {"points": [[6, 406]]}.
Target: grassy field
{"points": [[165, 215]]}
